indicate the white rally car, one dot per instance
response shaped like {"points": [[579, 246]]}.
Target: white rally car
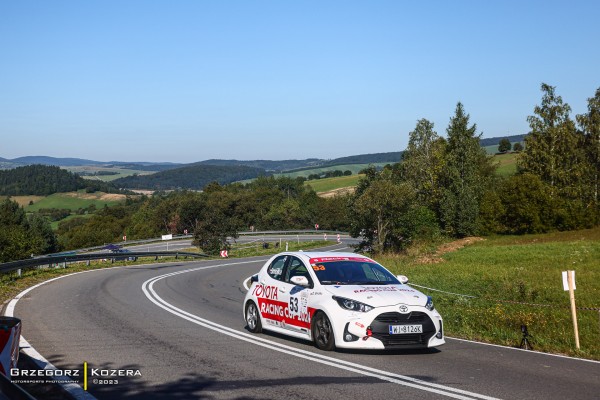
{"points": [[342, 300]]}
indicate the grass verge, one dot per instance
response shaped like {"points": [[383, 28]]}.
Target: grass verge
{"points": [[516, 280]]}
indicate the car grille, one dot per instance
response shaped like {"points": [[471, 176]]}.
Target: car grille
{"points": [[381, 324]]}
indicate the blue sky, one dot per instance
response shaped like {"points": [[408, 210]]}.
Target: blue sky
{"points": [[185, 81]]}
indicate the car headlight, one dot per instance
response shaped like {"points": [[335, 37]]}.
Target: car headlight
{"points": [[429, 304], [352, 305]]}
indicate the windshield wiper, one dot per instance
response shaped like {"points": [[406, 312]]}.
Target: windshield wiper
{"points": [[372, 283], [333, 283]]}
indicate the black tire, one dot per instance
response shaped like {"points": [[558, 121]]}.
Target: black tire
{"points": [[322, 332], [253, 318]]}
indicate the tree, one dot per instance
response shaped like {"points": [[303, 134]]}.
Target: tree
{"points": [[217, 222], [377, 214], [517, 147], [526, 204], [423, 161], [465, 176], [42, 235], [504, 146], [590, 126], [553, 148], [21, 236]]}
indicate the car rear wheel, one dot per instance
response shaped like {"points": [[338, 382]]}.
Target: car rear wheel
{"points": [[322, 332], [253, 318]]}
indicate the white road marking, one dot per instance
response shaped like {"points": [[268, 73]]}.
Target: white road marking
{"points": [[148, 289]]}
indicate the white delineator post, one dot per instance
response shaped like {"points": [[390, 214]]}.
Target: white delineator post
{"points": [[570, 286]]}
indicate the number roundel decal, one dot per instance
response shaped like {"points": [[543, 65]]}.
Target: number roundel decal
{"points": [[294, 304]]}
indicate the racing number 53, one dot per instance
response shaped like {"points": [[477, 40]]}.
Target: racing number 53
{"points": [[294, 304]]}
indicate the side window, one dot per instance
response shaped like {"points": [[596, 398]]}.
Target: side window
{"points": [[275, 270], [296, 268]]}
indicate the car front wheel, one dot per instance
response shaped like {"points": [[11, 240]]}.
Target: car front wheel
{"points": [[322, 332], [253, 318]]}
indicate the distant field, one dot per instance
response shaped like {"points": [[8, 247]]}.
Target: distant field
{"points": [[327, 184], [507, 164], [24, 200], [75, 200], [517, 281], [355, 168], [120, 172]]}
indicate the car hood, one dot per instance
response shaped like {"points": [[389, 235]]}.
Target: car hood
{"points": [[379, 295]]}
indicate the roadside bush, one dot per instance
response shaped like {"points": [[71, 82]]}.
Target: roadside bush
{"points": [[528, 207], [420, 223], [491, 212]]}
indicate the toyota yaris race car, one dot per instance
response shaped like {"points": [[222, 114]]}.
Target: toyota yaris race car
{"points": [[340, 300]]}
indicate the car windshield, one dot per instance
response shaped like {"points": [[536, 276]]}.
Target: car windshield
{"points": [[347, 271]]}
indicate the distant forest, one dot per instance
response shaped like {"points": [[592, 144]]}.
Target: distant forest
{"points": [[194, 177], [496, 140], [44, 180], [392, 157], [269, 165]]}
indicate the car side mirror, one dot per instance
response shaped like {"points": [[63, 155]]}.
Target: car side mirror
{"points": [[403, 279], [300, 281], [253, 278]]}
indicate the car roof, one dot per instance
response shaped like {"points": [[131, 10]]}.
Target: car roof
{"points": [[307, 255]]}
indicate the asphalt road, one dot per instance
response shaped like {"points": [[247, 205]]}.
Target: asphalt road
{"points": [[181, 326]]}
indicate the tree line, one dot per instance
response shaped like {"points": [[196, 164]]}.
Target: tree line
{"points": [[44, 180], [267, 203]]}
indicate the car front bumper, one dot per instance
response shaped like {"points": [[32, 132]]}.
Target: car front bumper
{"points": [[372, 330]]}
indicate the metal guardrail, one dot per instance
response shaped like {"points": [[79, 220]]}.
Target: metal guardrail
{"points": [[76, 255], [190, 236], [51, 260]]}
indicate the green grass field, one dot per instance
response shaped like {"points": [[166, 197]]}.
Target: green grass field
{"points": [[75, 200], [327, 184], [507, 164], [504, 271]]}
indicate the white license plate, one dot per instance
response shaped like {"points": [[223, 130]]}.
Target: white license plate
{"points": [[405, 329]]}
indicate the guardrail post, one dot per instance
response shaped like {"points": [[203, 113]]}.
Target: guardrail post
{"points": [[19, 272], [176, 256], [87, 263]]}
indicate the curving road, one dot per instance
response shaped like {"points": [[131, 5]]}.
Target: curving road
{"points": [[181, 326]]}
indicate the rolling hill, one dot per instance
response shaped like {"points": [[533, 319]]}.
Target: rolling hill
{"points": [[194, 177]]}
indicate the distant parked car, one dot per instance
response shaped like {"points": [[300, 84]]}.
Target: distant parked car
{"points": [[341, 300], [122, 258]]}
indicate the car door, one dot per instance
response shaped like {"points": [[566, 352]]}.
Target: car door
{"points": [[297, 316], [271, 304]]}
